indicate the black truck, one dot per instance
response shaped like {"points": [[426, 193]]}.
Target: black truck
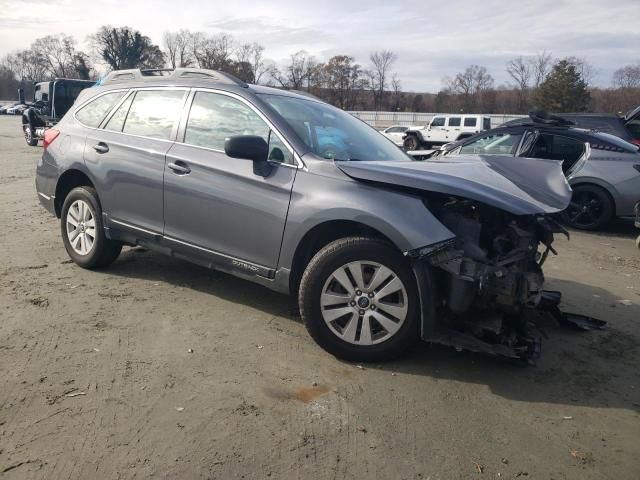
{"points": [[51, 100]]}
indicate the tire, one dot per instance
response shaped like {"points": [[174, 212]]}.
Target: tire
{"points": [[411, 143], [82, 207], [28, 135], [394, 302], [638, 241], [591, 208]]}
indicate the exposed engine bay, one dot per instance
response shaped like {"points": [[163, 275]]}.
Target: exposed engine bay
{"points": [[492, 296]]}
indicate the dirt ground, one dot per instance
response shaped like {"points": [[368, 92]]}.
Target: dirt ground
{"points": [[158, 368]]}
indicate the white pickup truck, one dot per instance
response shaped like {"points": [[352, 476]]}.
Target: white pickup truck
{"points": [[444, 129]]}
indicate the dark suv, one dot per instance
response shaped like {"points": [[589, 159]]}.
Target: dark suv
{"points": [[296, 195]]}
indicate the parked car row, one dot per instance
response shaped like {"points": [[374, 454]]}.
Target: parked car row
{"points": [[602, 169], [13, 109]]}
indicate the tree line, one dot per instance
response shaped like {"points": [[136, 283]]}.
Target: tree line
{"points": [[559, 85]]}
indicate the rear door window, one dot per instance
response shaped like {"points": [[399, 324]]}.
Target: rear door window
{"points": [[94, 112], [557, 147], [454, 121], [470, 122], [154, 113]]}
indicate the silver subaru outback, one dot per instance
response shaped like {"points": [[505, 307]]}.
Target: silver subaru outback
{"points": [[287, 191]]}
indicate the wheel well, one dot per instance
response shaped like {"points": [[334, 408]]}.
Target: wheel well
{"points": [[604, 189], [67, 182], [320, 236]]}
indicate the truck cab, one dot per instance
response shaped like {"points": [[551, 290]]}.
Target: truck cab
{"points": [[51, 100]]}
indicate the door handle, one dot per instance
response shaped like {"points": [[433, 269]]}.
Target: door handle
{"points": [[101, 147], [179, 168]]}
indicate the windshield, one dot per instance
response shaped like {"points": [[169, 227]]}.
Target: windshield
{"points": [[332, 133]]}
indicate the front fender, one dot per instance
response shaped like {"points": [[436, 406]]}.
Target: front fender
{"points": [[317, 199]]}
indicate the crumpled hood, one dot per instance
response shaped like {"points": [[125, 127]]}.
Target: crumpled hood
{"points": [[521, 186]]}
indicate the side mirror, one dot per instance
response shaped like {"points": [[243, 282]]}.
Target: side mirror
{"points": [[250, 147]]}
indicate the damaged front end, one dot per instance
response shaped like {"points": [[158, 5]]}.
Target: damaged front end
{"points": [[488, 281]]}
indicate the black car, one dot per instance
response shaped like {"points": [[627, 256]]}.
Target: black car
{"points": [[626, 127], [602, 169]]}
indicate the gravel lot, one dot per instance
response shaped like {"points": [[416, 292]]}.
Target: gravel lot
{"points": [[158, 368]]}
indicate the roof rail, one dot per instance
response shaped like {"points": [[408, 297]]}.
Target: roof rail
{"points": [[155, 74]]}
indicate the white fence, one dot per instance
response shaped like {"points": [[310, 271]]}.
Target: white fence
{"points": [[386, 119]]}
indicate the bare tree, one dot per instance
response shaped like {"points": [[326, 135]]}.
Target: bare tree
{"points": [[124, 47], [251, 54], [584, 68], [57, 54], [396, 86], [382, 61], [341, 76], [471, 85], [301, 65], [541, 65], [177, 45], [196, 46], [627, 76], [520, 71]]}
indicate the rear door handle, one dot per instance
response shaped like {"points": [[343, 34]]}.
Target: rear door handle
{"points": [[101, 147], [179, 168]]}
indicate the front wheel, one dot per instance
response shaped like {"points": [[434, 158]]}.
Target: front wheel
{"points": [[359, 301], [29, 137], [590, 208], [82, 231]]}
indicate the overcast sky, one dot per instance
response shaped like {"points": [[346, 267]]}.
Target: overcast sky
{"points": [[431, 38]]}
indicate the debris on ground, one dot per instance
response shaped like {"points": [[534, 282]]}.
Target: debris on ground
{"points": [[479, 467], [567, 417], [626, 302], [75, 394], [190, 350], [179, 409], [39, 302]]}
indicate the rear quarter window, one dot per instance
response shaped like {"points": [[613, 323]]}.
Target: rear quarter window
{"points": [[154, 113], [94, 112]]}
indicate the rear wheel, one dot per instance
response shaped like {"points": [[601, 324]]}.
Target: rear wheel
{"points": [[590, 208], [82, 231], [359, 300]]}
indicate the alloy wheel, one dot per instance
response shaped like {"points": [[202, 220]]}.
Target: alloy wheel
{"points": [[81, 227], [364, 303], [585, 209]]}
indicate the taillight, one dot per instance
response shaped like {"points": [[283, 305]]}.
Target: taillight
{"points": [[636, 141], [49, 136]]}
